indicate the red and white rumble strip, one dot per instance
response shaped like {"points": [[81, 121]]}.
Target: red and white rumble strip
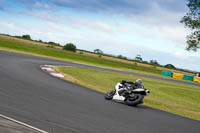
{"points": [[49, 69]]}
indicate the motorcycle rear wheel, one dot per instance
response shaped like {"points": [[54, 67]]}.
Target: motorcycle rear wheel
{"points": [[134, 101], [109, 95]]}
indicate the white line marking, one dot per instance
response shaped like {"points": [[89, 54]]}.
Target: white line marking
{"points": [[21, 123], [57, 75], [46, 68]]}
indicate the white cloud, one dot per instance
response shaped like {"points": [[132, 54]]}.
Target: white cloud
{"points": [[100, 26], [38, 4], [177, 34], [12, 27], [165, 24], [81, 22], [181, 55], [44, 15], [124, 28], [73, 22]]}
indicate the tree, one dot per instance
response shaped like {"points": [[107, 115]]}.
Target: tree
{"points": [[154, 62], [192, 21], [138, 58], [99, 52], [28, 37], [70, 47], [170, 66]]}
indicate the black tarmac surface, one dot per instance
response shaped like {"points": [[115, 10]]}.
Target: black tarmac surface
{"points": [[32, 96], [8, 126]]}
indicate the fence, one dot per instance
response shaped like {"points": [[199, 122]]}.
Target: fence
{"points": [[181, 76], [197, 79], [177, 76], [188, 77], [164, 73]]}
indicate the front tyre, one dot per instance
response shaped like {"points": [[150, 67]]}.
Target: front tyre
{"points": [[109, 95], [134, 101]]}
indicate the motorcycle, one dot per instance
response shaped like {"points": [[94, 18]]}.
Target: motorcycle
{"points": [[126, 92]]}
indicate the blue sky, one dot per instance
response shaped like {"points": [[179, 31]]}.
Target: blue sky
{"points": [[150, 28]]}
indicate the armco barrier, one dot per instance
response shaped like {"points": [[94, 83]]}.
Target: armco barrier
{"points": [[197, 79], [164, 73], [177, 76], [188, 77], [181, 76]]}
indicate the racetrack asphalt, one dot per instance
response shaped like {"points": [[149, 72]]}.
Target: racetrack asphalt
{"points": [[32, 96]]}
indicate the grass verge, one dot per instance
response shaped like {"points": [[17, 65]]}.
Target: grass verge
{"points": [[40, 49], [29, 47], [172, 97]]}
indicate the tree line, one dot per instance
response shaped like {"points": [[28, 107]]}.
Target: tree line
{"points": [[72, 47], [51, 44]]}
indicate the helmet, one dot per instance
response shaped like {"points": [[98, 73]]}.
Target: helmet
{"points": [[138, 81]]}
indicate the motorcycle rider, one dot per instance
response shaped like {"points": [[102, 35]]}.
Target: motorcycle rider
{"points": [[131, 85], [138, 84]]}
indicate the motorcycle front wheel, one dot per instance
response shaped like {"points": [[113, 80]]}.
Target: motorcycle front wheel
{"points": [[133, 101], [109, 95]]}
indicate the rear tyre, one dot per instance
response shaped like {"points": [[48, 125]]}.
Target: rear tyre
{"points": [[109, 95], [134, 101]]}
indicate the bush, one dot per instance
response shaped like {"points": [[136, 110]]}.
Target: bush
{"points": [[70, 47], [122, 57], [50, 46], [28, 37], [54, 44]]}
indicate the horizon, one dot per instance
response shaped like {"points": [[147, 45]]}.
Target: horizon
{"points": [[149, 28]]}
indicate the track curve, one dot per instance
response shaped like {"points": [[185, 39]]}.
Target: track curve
{"points": [[33, 97]]}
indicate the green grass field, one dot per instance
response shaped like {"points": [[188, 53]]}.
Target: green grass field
{"points": [[169, 96], [7, 43]]}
